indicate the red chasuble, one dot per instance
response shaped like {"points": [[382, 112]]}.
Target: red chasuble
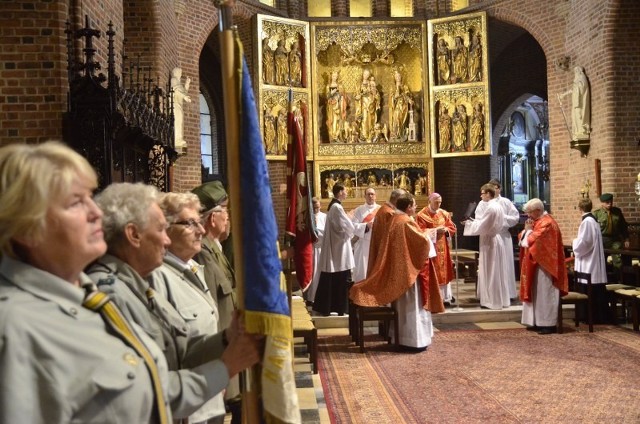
{"points": [[545, 250], [426, 219], [400, 259]]}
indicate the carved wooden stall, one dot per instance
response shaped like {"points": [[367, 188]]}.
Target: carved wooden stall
{"points": [[124, 127]]}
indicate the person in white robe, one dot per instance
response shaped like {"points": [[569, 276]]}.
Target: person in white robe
{"points": [[320, 220], [414, 321], [493, 278], [363, 217], [511, 218], [589, 258], [543, 270], [336, 258]]}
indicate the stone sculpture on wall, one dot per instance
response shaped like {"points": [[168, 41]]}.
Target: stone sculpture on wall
{"points": [[180, 96], [580, 105]]}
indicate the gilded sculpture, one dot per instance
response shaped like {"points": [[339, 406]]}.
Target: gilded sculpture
{"points": [[477, 128], [401, 102], [459, 98], [459, 123], [336, 107], [268, 65], [295, 64], [281, 64]]}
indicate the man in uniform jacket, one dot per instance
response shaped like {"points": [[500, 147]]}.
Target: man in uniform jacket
{"points": [[615, 234], [218, 272]]}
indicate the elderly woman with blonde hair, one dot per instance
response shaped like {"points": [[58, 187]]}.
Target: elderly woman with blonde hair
{"points": [[59, 361], [181, 280]]}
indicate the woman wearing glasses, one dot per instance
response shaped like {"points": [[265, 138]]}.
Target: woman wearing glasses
{"points": [[181, 280]]}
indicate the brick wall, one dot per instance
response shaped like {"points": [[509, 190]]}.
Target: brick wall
{"points": [[599, 35], [596, 35], [32, 78]]}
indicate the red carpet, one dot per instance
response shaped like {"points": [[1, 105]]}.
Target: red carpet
{"points": [[486, 376]]}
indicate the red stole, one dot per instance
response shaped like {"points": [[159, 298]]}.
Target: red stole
{"points": [[426, 219], [545, 250]]}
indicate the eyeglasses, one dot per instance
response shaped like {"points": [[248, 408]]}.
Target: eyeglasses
{"points": [[190, 223]]}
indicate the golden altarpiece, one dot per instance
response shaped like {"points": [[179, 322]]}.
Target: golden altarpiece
{"points": [[380, 99]]}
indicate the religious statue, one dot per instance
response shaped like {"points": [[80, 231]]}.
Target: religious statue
{"points": [[459, 122], [329, 182], [361, 92], [283, 136], [268, 66], [477, 128], [372, 180], [444, 62], [336, 108], [379, 134], [281, 64], [460, 57], [580, 105], [475, 58], [401, 102], [269, 133], [370, 108], [299, 116], [295, 64], [403, 181], [348, 184], [180, 95], [444, 130], [417, 187]]}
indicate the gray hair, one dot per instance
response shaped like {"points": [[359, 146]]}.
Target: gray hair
{"points": [[533, 204], [395, 194], [122, 204], [174, 203]]}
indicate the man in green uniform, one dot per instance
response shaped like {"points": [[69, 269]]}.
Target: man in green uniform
{"points": [[615, 234]]}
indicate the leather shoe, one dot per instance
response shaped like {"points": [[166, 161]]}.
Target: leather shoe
{"points": [[546, 330], [532, 328]]}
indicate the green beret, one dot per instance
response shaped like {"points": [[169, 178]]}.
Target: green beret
{"points": [[606, 197], [211, 194]]}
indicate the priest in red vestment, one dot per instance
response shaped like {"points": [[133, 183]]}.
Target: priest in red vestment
{"points": [[439, 226], [380, 228], [543, 273], [395, 279]]}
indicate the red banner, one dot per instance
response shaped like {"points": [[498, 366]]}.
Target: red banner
{"points": [[299, 224]]}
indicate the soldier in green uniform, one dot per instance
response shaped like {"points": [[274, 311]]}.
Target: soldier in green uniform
{"points": [[615, 234]]}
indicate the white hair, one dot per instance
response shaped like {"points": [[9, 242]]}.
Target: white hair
{"points": [[533, 204], [122, 204]]}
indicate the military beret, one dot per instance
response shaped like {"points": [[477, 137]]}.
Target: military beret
{"points": [[211, 194], [606, 197]]}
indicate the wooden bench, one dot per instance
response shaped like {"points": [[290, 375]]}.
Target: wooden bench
{"points": [[303, 327]]}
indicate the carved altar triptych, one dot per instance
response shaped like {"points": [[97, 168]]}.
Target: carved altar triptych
{"points": [[459, 86], [282, 62], [379, 99]]}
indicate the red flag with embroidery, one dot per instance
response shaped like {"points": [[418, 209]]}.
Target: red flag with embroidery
{"points": [[299, 222]]}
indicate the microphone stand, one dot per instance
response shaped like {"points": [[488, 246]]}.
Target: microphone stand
{"points": [[455, 241]]}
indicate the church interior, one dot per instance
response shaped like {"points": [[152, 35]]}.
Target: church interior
{"points": [[136, 87]]}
